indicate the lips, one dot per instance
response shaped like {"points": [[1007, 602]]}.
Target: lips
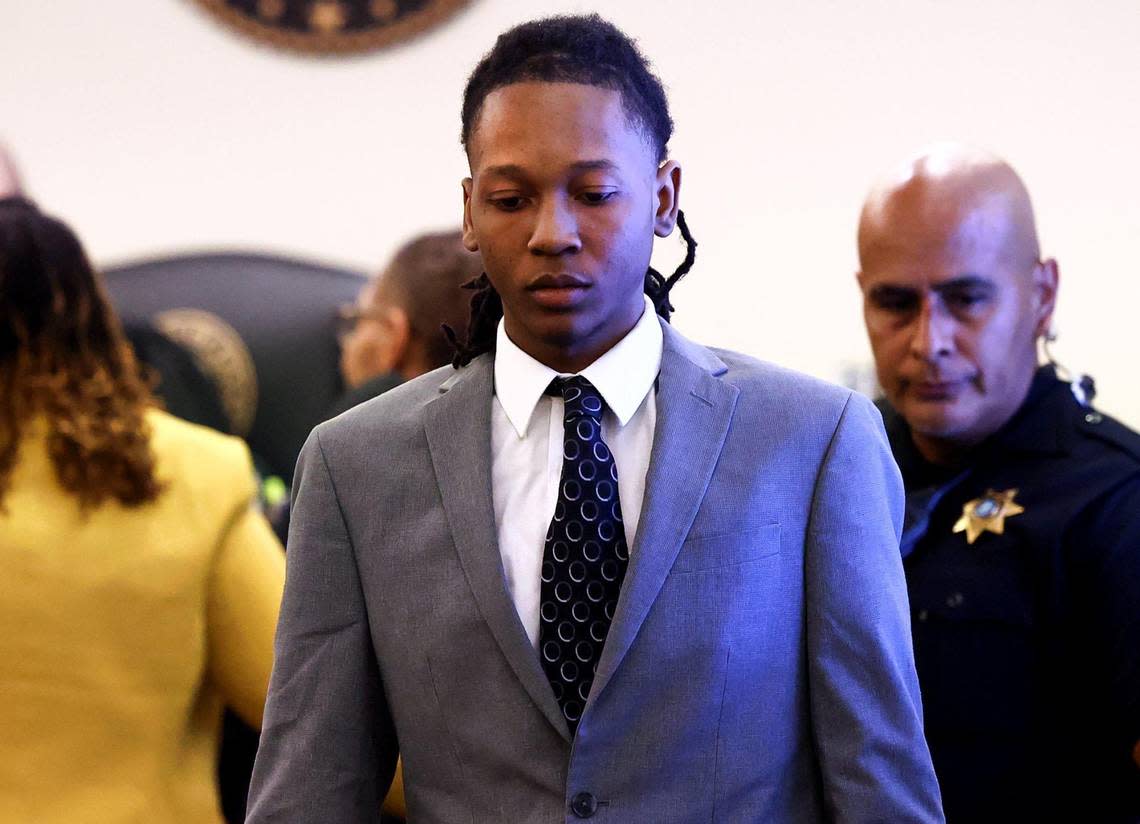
{"points": [[558, 291], [565, 280], [937, 390]]}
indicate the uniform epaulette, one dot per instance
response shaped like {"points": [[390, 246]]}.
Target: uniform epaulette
{"points": [[1105, 428]]}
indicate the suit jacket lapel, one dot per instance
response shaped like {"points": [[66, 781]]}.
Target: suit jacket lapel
{"points": [[458, 429], [694, 411]]}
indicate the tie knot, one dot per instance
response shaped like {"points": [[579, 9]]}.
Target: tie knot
{"points": [[580, 397]]}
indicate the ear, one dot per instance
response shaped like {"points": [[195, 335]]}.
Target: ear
{"points": [[860, 280], [1046, 280], [469, 241], [668, 192], [397, 338]]}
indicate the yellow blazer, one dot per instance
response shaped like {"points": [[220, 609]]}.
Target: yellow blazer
{"points": [[122, 633]]}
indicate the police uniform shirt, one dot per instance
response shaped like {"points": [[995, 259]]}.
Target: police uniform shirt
{"points": [[1027, 643]]}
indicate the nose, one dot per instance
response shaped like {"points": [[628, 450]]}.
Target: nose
{"points": [[555, 229], [933, 336]]}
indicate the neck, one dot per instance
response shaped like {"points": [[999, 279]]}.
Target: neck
{"points": [[567, 360], [413, 367], [942, 451], [571, 357]]}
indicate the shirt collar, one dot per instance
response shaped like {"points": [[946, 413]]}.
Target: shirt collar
{"points": [[623, 375]]}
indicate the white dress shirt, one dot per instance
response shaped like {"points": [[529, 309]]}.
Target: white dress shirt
{"points": [[526, 444]]}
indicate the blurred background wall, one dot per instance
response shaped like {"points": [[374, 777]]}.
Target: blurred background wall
{"points": [[153, 129]]}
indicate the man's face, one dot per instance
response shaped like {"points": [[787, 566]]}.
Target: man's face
{"points": [[367, 345], [953, 322], [563, 202]]}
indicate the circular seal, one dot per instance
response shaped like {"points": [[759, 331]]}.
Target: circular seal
{"points": [[222, 355], [332, 26]]}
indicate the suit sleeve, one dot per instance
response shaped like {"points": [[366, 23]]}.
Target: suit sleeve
{"points": [[865, 702], [328, 748]]}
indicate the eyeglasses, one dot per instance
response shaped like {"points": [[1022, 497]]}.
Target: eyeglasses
{"points": [[349, 314]]}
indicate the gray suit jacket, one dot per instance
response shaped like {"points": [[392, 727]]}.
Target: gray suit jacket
{"points": [[759, 667]]}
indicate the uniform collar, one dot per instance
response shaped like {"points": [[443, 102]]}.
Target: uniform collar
{"points": [[623, 375], [1040, 424]]}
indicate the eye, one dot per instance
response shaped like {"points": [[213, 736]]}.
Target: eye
{"points": [[597, 197], [894, 300], [966, 299], [507, 203]]}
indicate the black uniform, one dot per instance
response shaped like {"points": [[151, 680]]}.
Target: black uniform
{"points": [[1027, 642]]}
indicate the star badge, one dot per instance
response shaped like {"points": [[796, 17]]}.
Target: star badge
{"points": [[987, 514]]}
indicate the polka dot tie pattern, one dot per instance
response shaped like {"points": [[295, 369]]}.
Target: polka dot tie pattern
{"points": [[585, 555]]}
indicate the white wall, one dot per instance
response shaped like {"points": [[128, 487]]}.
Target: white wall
{"points": [[151, 128]]}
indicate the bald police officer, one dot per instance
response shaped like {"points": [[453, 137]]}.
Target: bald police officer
{"points": [[1022, 533]]}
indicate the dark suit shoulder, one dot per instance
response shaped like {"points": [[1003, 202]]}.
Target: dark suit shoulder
{"points": [[1053, 414], [1107, 432]]}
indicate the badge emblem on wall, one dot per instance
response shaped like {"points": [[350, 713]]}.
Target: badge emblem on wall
{"points": [[331, 26]]}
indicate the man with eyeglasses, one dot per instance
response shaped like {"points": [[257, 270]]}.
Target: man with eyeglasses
{"points": [[393, 332]]}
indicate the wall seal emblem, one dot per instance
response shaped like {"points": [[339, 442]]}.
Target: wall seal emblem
{"points": [[222, 356], [331, 26]]}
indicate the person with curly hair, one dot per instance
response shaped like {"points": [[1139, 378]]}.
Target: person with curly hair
{"points": [[140, 585]]}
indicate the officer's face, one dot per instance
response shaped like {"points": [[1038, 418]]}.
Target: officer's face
{"points": [[564, 199], [953, 324]]}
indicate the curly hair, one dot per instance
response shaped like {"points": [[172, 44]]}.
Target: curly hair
{"points": [[63, 358], [568, 49]]}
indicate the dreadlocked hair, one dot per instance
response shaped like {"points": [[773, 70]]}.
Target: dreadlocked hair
{"points": [[487, 306], [64, 360], [589, 50], [583, 49], [658, 287]]}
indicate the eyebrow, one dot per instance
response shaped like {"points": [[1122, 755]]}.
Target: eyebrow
{"points": [[965, 282], [961, 282], [594, 165], [887, 291], [517, 172]]}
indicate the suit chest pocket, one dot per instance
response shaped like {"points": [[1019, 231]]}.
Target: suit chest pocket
{"points": [[728, 548]]}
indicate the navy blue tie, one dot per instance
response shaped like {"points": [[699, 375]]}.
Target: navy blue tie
{"points": [[585, 555]]}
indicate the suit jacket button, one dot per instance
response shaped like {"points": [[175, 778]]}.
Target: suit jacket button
{"points": [[583, 805]]}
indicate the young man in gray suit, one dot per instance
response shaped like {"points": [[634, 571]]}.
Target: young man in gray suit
{"points": [[597, 571]]}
